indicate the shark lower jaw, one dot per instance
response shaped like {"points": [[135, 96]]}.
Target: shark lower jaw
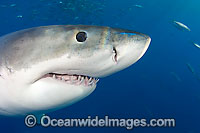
{"points": [[72, 79]]}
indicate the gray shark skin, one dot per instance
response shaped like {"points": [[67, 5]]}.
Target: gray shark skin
{"points": [[46, 68]]}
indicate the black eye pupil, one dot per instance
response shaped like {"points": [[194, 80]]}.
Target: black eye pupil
{"points": [[81, 36]]}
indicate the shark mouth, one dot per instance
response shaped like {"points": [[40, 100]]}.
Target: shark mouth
{"points": [[72, 79]]}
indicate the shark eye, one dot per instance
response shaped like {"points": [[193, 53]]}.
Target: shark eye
{"points": [[81, 37]]}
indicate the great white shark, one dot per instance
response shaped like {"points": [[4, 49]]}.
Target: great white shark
{"points": [[46, 68]]}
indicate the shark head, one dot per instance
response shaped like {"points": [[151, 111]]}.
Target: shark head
{"points": [[47, 68]]}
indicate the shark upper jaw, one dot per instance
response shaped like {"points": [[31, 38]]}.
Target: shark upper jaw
{"points": [[73, 79]]}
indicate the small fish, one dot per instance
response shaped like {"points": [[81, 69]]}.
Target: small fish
{"points": [[139, 6], [193, 71], [12, 5], [181, 26], [190, 68], [76, 18], [197, 45], [176, 76], [19, 16], [3, 6]]}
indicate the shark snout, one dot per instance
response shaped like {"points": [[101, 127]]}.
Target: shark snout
{"points": [[130, 48], [143, 44]]}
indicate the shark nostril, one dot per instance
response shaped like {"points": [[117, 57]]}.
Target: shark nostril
{"points": [[115, 54]]}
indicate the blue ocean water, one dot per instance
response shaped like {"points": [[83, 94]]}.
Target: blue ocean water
{"points": [[160, 85]]}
